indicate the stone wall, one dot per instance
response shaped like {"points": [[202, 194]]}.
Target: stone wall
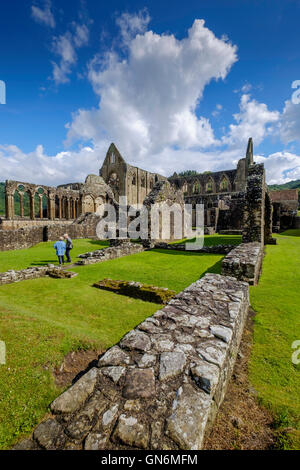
{"points": [[112, 252], [161, 386], [21, 238], [244, 262], [83, 227], [11, 276], [254, 208]]}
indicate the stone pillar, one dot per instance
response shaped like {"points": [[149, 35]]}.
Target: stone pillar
{"points": [[32, 211], [41, 206], [9, 206], [254, 207], [21, 205], [74, 209], [59, 208], [51, 206], [68, 209]]}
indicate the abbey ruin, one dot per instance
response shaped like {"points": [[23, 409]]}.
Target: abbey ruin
{"points": [[235, 201]]}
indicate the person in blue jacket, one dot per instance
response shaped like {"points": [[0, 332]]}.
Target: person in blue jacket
{"points": [[60, 248]]}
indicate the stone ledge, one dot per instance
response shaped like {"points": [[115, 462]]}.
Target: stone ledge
{"points": [[160, 387], [244, 262]]}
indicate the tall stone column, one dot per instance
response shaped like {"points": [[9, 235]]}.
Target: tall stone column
{"points": [[68, 211], [31, 202], [21, 205], [41, 206], [59, 208], [9, 206], [51, 206]]}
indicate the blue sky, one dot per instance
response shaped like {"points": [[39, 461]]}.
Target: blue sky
{"points": [[175, 86]]}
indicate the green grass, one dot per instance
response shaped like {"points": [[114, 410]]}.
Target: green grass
{"points": [[43, 319], [44, 253], [276, 300], [212, 240]]}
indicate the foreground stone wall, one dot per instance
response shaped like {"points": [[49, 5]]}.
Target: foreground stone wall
{"points": [[161, 386], [244, 262]]}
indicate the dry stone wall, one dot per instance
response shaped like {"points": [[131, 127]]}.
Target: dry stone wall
{"points": [[161, 386], [112, 252], [244, 262], [12, 276]]}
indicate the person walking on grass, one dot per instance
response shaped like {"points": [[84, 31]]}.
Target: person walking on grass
{"points": [[60, 248], [69, 246]]}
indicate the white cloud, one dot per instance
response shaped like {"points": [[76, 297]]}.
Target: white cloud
{"points": [[254, 120], [62, 168], [289, 125], [281, 167], [65, 47], [43, 15], [131, 25], [148, 100]]}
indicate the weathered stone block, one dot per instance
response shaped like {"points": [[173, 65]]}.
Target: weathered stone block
{"points": [[139, 383], [76, 395]]}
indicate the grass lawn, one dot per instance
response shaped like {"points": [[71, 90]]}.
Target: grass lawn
{"points": [[42, 320], [276, 300], [44, 253], [212, 240]]}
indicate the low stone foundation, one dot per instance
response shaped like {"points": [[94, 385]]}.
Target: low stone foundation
{"points": [[161, 386], [137, 290], [110, 253], [244, 262], [9, 277]]}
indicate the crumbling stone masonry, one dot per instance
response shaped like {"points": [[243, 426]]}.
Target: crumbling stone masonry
{"points": [[161, 386], [112, 252], [12, 276], [244, 262]]}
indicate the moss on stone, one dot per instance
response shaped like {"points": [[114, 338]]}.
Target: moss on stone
{"points": [[137, 290]]}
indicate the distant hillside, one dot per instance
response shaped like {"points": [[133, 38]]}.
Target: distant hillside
{"points": [[290, 185]]}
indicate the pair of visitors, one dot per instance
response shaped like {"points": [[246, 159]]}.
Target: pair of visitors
{"points": [[63, 247]]}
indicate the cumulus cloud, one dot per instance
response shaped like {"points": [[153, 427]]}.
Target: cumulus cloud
{"points": [[254, 120], [281, 167], [150, 106], [52, 170], [148, 101], [131, 25], [65, 47], [43, 14], [289, 126]]}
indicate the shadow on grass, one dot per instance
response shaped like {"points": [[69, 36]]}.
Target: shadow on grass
{"points": [[43, 262], [215, 240], [215, 268], [99, 242], [182, 253], [291, 233]]}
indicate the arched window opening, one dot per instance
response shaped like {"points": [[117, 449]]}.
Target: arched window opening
{"points": [[224, 186]]}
